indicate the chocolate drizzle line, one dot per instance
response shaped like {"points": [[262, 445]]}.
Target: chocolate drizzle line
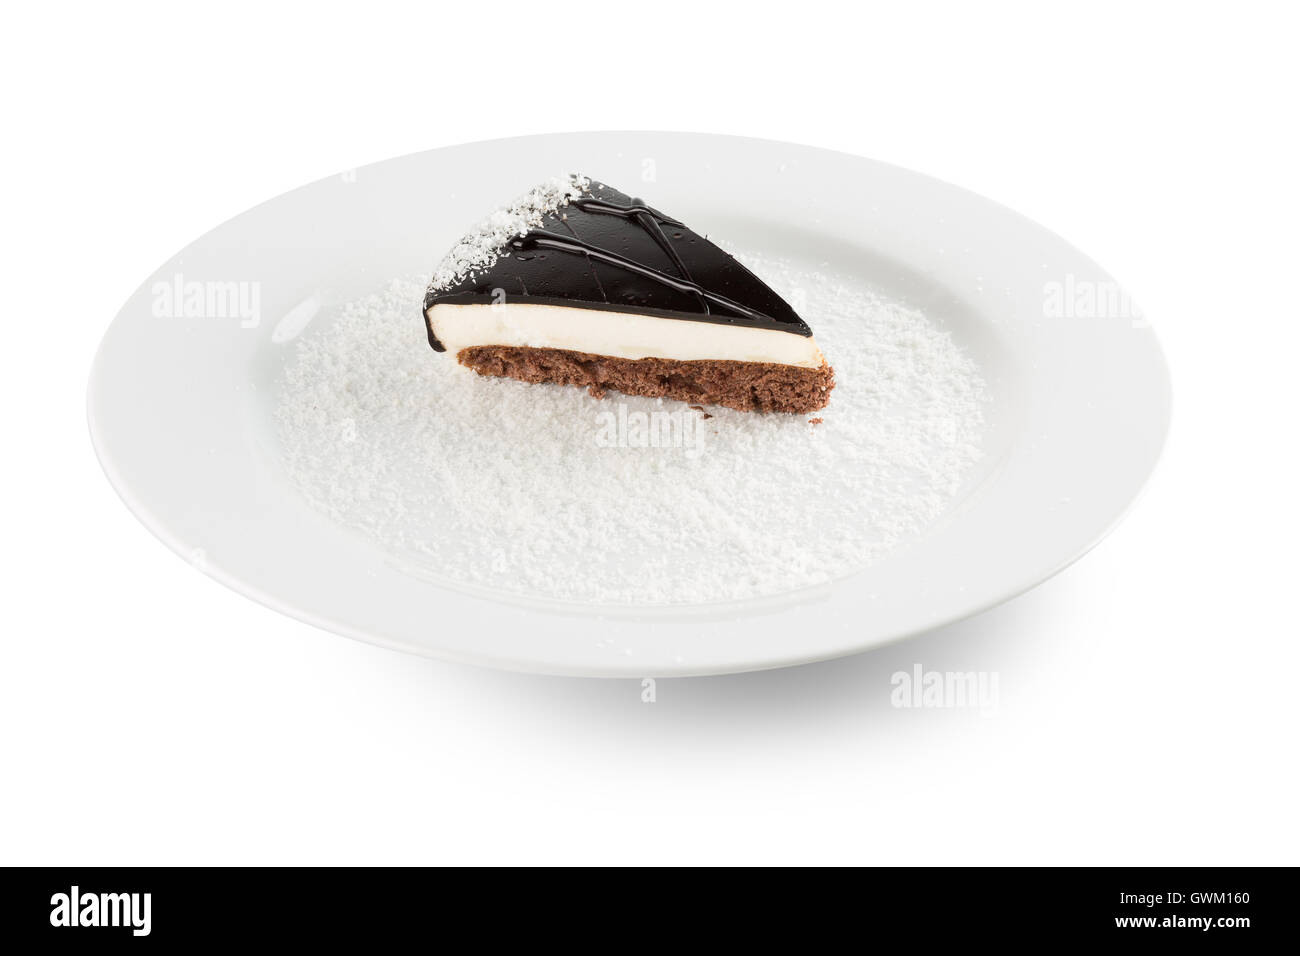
{"points": [[540, 239], [648, 219]]}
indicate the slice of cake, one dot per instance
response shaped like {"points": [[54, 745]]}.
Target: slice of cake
{"points": [[580, 284]]}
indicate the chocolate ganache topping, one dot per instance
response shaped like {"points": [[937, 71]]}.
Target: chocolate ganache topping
{"points": [[598, 248]]}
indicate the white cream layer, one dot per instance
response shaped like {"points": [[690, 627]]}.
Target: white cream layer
{"points": [[619, 334]]}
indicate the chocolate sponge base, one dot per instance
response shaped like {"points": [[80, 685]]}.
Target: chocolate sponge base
{"points": [[744, 386]]}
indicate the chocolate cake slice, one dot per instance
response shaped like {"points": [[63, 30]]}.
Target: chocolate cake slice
{"points": [[580, 284]]}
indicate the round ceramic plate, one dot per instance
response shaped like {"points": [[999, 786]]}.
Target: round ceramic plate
{"points": [[182, 408]]}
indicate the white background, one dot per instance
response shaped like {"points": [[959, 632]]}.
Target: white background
{"points": [[1147, 708]]}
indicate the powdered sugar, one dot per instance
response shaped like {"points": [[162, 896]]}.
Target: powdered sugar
{"points": [[544, 491], [485, 243]]}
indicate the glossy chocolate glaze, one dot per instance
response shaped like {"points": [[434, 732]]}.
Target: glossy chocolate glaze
{"points": [[608, 251]]}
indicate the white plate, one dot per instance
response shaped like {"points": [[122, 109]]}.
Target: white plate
{"points": [[181, 409]]}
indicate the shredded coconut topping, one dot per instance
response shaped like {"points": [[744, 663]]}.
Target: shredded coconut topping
{"points": [[544, 491], [483, 245]]}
